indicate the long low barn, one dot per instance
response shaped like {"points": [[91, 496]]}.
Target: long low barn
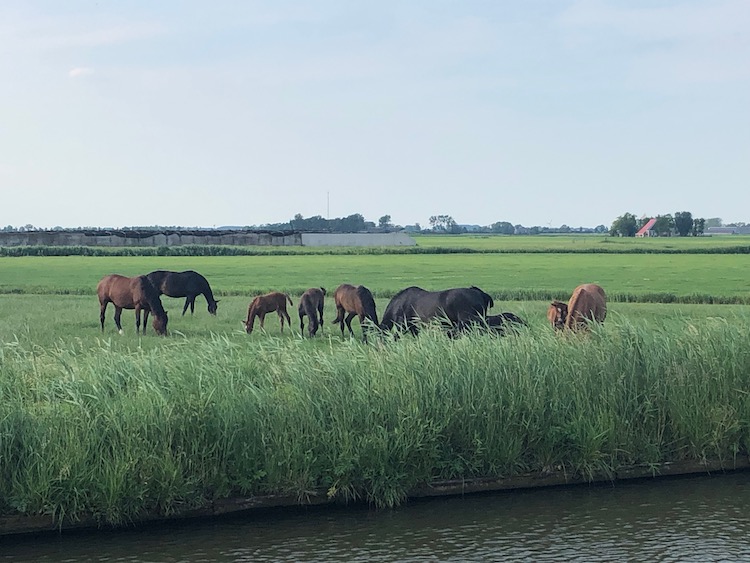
{"points": [[115, 238]]}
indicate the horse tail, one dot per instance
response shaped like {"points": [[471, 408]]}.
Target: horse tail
{"points": [[289, 299], [368, 303]]}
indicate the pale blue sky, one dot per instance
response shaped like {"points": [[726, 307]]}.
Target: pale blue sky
{"points": [[541, 112]]}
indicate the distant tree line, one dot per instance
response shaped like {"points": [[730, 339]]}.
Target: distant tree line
{"points": [[681, 224], [626, 225]]}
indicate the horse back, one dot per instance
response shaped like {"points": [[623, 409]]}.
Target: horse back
{"points": [[587, 302]]}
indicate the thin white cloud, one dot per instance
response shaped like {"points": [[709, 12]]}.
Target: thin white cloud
{"points": [[80, 71]]}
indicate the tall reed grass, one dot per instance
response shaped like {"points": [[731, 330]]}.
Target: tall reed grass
{"points": [[87, 430]]}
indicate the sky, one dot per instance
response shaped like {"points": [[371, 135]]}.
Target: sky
{"points": [[202, 114]]}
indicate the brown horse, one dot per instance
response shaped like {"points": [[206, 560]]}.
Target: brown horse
{"points": [[311, 304], [354, 301], [588, 303], [188, 284], [268, 303], [131, 293]]}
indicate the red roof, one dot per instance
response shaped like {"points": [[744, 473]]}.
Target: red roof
{"points": [[647, 226]]}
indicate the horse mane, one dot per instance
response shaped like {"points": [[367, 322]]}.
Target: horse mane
{"points": [[152, 296], [405, 290]]}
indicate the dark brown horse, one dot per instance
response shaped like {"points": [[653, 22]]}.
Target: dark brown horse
{"points": [[132, 293], [455, 308], [311, 304], [264, 304], [354, 301], [188, 284]]}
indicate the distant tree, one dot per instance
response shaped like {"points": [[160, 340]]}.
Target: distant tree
{"points": [[600, 229], [443, 224], [736, 224], [503, 228], [683, 223], [624, 226], [9, 229], [385, 222], [699, 225], [714, 222], [564, 228], [664, 225]]}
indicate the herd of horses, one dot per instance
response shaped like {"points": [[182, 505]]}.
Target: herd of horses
{"points": [[457, 309]]}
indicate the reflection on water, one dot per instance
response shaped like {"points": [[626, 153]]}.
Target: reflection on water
{"points": [[689, 519]]}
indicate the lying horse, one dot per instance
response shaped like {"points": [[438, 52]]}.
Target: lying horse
{"points": [[188, 284], [354, 301], [268, 303], [131, 293], [311, 304], [498, 324], [456, 307], [588, 303]]}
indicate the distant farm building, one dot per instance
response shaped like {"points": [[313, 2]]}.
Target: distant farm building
{"points": [[728, 231], [180, 237], [648, 229]]}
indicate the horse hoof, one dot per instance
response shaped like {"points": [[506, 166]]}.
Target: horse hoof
{"points": [[120, 331]]}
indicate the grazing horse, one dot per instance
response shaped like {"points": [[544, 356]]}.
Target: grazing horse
{"points": [[459, 307], [188, 284], [588, 303], [132, 293], [354, 301], [268, 303], [311, 304]]}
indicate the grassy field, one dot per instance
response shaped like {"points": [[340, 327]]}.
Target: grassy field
{"points": [[115, 426], [512, 276], [580, 243]]}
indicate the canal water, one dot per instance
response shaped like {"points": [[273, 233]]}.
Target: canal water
{"points": [[701, 519]]}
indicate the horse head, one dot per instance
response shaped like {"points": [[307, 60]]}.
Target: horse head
{"points": [[557, 313], [160, 324]]}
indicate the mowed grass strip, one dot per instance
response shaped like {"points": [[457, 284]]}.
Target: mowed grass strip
{"points": [[631, 275]]}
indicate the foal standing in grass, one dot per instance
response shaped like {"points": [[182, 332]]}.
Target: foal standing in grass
{"points": [[268, 303]]}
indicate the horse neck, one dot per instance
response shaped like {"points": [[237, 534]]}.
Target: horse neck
{"points": [[154, 303], [208, 294]]}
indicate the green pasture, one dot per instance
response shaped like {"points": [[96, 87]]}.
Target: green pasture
{"points": [[116, 427], [626, 277]]}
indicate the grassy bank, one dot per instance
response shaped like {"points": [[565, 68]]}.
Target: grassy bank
{"points": [[88, 429]]}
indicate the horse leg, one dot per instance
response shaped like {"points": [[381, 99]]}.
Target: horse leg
{"points": [[118, 313], [187, 302], [302, 322], [262, 317], [192, 304], [137, 319], [145, 319], [286, 316], [349, 318], [102, 310]]}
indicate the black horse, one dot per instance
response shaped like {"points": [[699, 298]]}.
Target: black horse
{"points": [[456, 307], [188, 284], [498, 324]]}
